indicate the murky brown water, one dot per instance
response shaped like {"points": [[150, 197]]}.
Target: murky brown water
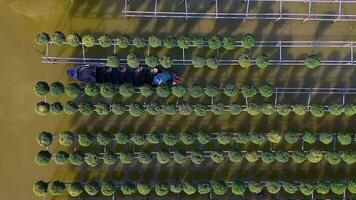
{"points": [[21, 20]]}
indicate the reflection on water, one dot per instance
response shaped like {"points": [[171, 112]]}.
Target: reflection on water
{"points": [[21, 20]]}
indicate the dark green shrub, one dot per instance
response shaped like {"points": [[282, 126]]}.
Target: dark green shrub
{"points": [[154, 41], [215, 42], [169, 109], [145, 90], [56, 188], [151, 61], [70, 107], [298, 157], [200, 109], [163, 91], [350, 109], [105, 41], [75, 189], [315, 156], [248, 41], [204, 188], [312, 61], [45, 139], [219, 187], [267, 109], [188, 138], [161, 188], [185, 109], [197, 157], [66, 138], [92, 188], [196, 91], [281, 156], [238, 188], [88, 40], [104, 138], [126, 157], [274, 137], [76, 158], [42, 38], [61, 157], [338, 187], [336, 109], [322, 187], [211, 90], [169, 42], [306, 188], [326, 138], [86, 108], [107, 188], [127, 188], [183, 42], [235, 109], [224, 138], [110, 158], [154, 108], [73, 90], [42, 108], [309, 137], [212, 63], [189, 187], [138, 138], [204, 137], [163, 157], [198, 62], [56, 89], [198, 42], [118, 108], [180, 156], [317, 110], [41, 88], [92, 159], [73, 39], [58, 38], [289, 187], [291, 137], [273, 187], [217, 156], [231, 90], [252, 156], [102, 108], [267, 157], [265, 90], [40, 188], [166, 62], [113, 60], [132, 60], [257, 138], [217, 108], [352, 186], [176, 187], [91, 89], [228, 43], [235, 156], [143, 188], [122, 41], [349, 157], [126, 90], [171, 138], [244, 60], [255, 187], [333, 157], [248, 91], [178, 90], [136, 109], [262, 61], [344, 139], [241, 138], [107, 90], [283, 109], [42, 158], [298, 109], [139, 42], [253, 109]]}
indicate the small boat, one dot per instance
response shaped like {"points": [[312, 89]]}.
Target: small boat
{"points": [[123, 74]]}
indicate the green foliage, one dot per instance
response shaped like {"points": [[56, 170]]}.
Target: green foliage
{"points": [[113, 60], [145, 157], [109, 158], [228, 43], [211, 90], [212, 63], [267, 109], [309, 137], [41, 88], [352, 186], [73, 90], [235, 109], [253, 109], [283, 109], [40, 188], [138, 138], [204, 137], [132, 60], [349, 157], [180, 156], [241, 138], [231, 90], [66, 138], [118, 108], [298, 157], [266, 90], [281, 156], [238, 188], [257, 138], [145, 90], [171, 138], [198, 42], [235, 156], [56, 108], [317, 110], [198, 62], [88, 40], [56, 188], [291, 137], [126, 90], [188, 138], [104, 138], [312, 61], [219, 187], [75, 189], [61, 157], [136, 109], [91, 89], [189, 188], [215, 42], [252, 156], [350, 109], [200, 109], [326, 138], [162, 188], [183, 42], [344, 139], [163, 91], [42, 38], [154, 41], [274, 137], [248, 41], [154, 138], [107, 188], [139, 42], [178, 90], [92, 188], [58, 38], [196, 91], [262, 61], [217, 156], [197, 157], [169, 109], [45, 139], [153, 108], [56, 89], [244, 60], [107, 90], [169, 42], [185, 109], [289, 187], [315, 156], [338, 187], [127, 188], [224, 138], [105, 41], [42, 108], [122, 41], [298, 109], [248, 91], [166, 62], [255, 187], [163, 157], [126, 157], [42, 158], [333, 157], [267, 157], [86, 108], [306, 188], [176, 187], [143, 188], [151, 61], [102, 108], [204, 188], [273, 187], [76, 158], [336, 109], [92, 159], [322, 187]]}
